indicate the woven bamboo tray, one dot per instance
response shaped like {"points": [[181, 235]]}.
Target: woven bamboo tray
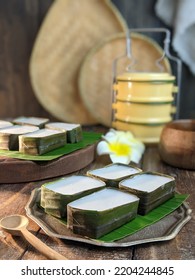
{"points": [[95, 77], [68, 32]]}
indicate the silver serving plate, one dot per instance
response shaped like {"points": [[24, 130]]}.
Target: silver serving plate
{"points": [[165, 229]]}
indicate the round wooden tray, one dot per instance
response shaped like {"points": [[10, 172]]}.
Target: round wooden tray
{"points": [[18, 171]]}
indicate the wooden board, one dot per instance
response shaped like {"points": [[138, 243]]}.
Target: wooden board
{"points": [[18, 171], [14, 197]]}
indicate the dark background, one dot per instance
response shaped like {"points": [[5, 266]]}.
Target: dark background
{"points": [[19, 24]]}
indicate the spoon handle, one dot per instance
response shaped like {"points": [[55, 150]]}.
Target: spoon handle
{"points": [[41, 247]]}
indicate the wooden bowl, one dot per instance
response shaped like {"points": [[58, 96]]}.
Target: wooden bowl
{"points": [[177, 144]]}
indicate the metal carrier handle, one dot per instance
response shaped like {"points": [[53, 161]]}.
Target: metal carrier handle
{"points": [[165, 53]]}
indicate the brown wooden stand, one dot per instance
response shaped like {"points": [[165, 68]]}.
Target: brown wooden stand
{"points": [[18, 171]]}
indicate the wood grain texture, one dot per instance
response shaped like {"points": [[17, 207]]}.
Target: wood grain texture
{"points": [[16, 248], [19, 24], [14, 197], [18, 171]]}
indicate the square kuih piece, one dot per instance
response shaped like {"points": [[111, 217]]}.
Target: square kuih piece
{"points": [[101, 212], [152, 188], [112, 174], [41, 141], [9, 136], [57, 194], [40, 122], [74, 131]]}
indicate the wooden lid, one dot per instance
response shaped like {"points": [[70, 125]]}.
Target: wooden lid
{"points": [[68, 32], [96, 74]]}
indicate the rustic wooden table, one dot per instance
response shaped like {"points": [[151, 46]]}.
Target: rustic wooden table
{"points": [[14, 197]]}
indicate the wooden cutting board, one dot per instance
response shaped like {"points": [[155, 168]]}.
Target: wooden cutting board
{"points": [[18, 171]]}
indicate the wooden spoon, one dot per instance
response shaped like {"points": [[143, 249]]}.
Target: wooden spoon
{"points": [[17, 225]]}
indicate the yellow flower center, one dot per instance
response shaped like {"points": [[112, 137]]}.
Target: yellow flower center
{"points": [[120, 149]]}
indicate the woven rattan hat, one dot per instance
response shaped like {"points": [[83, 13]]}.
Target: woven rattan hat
{"points": [[68, 32], [95, 79]]}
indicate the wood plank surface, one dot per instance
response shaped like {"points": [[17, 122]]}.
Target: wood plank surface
{"points": [[13, 198], [19, 24], [18, 170]]}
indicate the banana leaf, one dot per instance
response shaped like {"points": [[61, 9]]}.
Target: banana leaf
{"points": [[140, 222], [89, 138]]}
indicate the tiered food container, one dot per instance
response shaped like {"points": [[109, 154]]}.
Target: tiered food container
{"points": [[144, 102]]}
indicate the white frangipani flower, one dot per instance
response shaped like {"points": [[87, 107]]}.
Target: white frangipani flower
{"points": [[121, 146]]}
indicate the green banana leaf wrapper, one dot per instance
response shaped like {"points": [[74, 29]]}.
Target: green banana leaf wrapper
{"points": [[74, 135], [112, 168], [55, 203], [152, 199], [32, 145], [89, 138], [96, 223], [9, 136]]}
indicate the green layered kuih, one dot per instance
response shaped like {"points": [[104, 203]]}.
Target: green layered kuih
{"points": [[57, 194], [9, 136], [112, 174], [39, 122], [140, 222], [101, 212], [41, 141], [89, 138], [152, 188], [74, 131]]}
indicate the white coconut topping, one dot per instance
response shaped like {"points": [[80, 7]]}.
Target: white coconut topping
{"points": [[63, 126], [42, 133], [103, 200], [114, 171], [31, 120], [145, 182], [18, 129], [74, 184], [4, 124]]}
